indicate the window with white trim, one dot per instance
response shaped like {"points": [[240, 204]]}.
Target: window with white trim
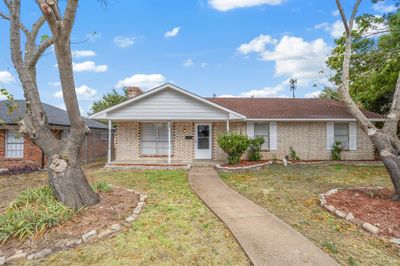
{"points": [[262, 130], [14, 144], [154, 139], [342, 134]]}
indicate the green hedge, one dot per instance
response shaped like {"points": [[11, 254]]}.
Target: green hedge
{"points": [[234, 145]]}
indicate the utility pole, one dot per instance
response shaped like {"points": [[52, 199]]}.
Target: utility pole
{"points": [[293, 85]]}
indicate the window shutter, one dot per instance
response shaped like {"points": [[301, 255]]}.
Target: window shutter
{"points": [[353, 136], [250, 129], [273, 136], [330, 135]]}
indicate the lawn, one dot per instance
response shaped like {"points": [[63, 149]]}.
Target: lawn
{"points": [[175, 228], [292, 192]]}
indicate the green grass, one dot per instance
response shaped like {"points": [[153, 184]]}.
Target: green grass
{"points": [[31, 213], [101, 187], [175, 228], [292, 192]]}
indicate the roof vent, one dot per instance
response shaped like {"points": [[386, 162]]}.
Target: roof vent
{"points": [[133, 91]]}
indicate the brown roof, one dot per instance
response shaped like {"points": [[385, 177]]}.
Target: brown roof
{"points": [[281, 108]]}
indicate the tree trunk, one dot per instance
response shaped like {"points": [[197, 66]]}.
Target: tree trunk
{"points": [[70, 185]]}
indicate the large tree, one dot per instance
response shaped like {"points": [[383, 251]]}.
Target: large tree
{"points": [[109, 99], [375, 62], [385, 140], [66, 177]]}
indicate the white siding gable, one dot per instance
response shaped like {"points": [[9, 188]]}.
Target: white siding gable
{"points": [[168, 104]]}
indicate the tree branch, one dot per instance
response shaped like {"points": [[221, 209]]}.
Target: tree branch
{"points": [[69, 16], [353, 14], [343, 16], [21, 26], [39, 51], [393, 117], [36, 27]]}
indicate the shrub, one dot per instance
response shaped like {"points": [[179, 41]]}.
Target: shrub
{"points": [[336, 151], [255, 148], [101, 187], [234, 145], [31, 213], [293, 155]]}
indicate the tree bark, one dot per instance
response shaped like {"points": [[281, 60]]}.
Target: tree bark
{"points": [[385, 140], [66, 178]]}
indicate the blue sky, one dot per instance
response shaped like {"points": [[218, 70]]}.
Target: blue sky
{"points": [[222, 47]]}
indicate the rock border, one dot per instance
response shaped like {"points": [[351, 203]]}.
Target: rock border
{"points": [[147, 167], [85, 238], [370, 228], [253, 167]]}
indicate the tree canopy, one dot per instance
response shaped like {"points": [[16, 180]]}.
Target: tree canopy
{"points": [[109, 99]]}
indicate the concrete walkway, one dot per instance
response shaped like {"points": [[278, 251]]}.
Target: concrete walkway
{"points": [[266, 239]]}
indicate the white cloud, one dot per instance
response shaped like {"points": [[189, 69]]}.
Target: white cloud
{"points": [[55, 84], [335, 29], [144, 81], [188, 63], [89, 66], [83, 53], [335, 13], [83, 92], [314, 94], [263, 92], [6, 77], [94, 36], [123, 42], [381, 7], [257, 45], [225, 5], [172, 33]]}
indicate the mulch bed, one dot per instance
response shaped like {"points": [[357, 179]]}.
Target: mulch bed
{"points": [[114, 207], [244, 163], [371, 205]]}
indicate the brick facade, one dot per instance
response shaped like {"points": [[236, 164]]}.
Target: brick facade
{"points": [[93, 148], [307, 138]]}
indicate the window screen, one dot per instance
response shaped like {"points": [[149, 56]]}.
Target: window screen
{"points": [[341, 134], [154, 138], [14, 144], [262, 130]]}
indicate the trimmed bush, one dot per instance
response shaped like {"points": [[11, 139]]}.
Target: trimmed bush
{"points": [[234, 145], [293, 154], [336, 151], [31, 213], [255, 148]]}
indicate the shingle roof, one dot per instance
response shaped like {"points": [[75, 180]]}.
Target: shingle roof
{"points": [[55, 115], [283, 108]]}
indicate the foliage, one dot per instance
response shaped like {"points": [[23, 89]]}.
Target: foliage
{"points": [[31, 213], [234, 145], [101, 187], [293, 154], [336, 151], [109, 99], [375, 63], [274, 159], [255, 148]]}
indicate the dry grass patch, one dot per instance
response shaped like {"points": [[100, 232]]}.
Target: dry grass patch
{"points": [[292, 194]]}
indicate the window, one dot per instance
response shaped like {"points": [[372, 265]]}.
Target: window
{"points": [[341, 134], [14, 144], [154, 137], [104, 136], [262, 130]]}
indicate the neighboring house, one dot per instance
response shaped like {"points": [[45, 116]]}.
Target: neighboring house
{"points": [[19, 151], [169, 124]]}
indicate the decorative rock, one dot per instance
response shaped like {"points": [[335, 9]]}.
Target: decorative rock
{"points": [[330, 208], [349, 216], [138, 208], [40, 254], [393, 240], [143, 197], [357, 221], [115, 227], [73, 242], [332, 191], [322, 202], [2, 260], [18, 255], [131, 218], [370, 228], [340, 214], [89, 235], [104, 233]]}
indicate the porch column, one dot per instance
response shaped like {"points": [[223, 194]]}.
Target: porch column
{"points": [[109, 142], [169, 142], [227, 126]]}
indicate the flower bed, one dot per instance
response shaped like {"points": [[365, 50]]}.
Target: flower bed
{"points": [[370, 208], [244, 165]]}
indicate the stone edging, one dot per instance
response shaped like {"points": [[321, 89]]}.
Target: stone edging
{"points": [[372, 229], [86, 237], [253, 167], [148, 167]]}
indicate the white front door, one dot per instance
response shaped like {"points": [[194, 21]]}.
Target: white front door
{"points": [[203, 141]]}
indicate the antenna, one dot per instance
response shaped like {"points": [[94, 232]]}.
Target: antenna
{"points": [[293, 85]]}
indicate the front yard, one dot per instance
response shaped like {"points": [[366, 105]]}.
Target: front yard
{"points": [[175, 228], [292, 192]]}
